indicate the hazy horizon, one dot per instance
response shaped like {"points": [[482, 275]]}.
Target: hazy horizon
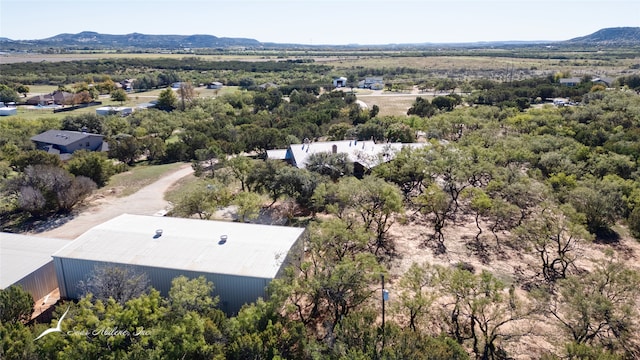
{"points": [[323, 22]]}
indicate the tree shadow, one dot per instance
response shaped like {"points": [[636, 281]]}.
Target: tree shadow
{"points": [[607, 236]]}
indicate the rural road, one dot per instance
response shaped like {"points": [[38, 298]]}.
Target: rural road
{"points": [[147, 201]]}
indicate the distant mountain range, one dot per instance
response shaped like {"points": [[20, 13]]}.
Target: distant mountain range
{"points": [[610, 37], [86, 40]]}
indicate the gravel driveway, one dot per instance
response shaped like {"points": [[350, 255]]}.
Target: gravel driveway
{"points": [[146, 201]]}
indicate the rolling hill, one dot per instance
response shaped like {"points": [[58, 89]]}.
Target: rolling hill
{"points": [[629, 36]]}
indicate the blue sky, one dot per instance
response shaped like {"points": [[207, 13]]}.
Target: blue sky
{"points": [[322, 21]]}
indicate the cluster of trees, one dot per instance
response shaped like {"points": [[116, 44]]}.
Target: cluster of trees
{"points": [[38, 184], [161, 72], [187, 324]]}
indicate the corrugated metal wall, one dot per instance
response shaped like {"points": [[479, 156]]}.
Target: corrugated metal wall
{"points": [[234, 291], [40, 282]]}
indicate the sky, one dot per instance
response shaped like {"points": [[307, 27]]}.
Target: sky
{"points": [[322, 22]]}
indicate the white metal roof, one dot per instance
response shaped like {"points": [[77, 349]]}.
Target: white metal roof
{"points": [[367, 153], [20, 255], [186, 244], [277, 154]]}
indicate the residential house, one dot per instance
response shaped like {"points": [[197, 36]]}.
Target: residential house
{"points": [[127, 84], [64, 143], [215, 85], [373, 83], [364, 154], [57, 97], [606, 81], [570, 81]]}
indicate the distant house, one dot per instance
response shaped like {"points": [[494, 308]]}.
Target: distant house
{"points": [[64, 143], [364, 154], [57, 97], [373, 83], [127, 84], [267, 86], [606, 81], [114, 110], [570, 81], [340, 82], [214, 85]]}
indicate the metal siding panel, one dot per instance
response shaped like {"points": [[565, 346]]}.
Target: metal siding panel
{"points": [[57, 263], [234, 291], [40, 282]]}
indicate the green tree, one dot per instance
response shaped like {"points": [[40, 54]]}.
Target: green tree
{"points": [[167, 100], [125, 148], [8, 94], [599, 308], [414, 297], [408, 170], [91, 164], [554, 234], [422, 107], [90, 123], [483, 311], [16, 305], [195, 295], [249, 205], [438, 204], [34, 157], [241, 167], [22, 89], [119, 95], [333, 165], [203, 201]]}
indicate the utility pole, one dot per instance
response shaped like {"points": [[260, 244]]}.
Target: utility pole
{"points": [[385, 297]]}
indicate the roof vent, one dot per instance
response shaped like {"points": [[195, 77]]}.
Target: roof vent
{"points": [[223, 239], [158, 234]]}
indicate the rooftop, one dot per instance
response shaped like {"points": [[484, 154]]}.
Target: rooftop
{"points": [[61, 137], [187, 244], [367, 153], [20, 255]]}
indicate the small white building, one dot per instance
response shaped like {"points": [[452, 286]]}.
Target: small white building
{"points": [[340, 82], [7, 111], [114, 110], [240, 259]]}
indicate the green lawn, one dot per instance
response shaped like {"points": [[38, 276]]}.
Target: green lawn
{"points": [[138, 177], [182, 187]]}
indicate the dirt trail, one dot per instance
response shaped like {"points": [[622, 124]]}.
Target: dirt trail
{"points": [[146, 201]]}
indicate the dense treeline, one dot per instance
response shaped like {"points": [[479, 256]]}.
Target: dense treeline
{"points": [[75, 71]]}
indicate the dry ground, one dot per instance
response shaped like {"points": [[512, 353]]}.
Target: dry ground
{"points": [[509, 265]]}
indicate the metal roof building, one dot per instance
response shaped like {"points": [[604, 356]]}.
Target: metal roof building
{"points": [[366, 153], [240, 259], [26, 260]]}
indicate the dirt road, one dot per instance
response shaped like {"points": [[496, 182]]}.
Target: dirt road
{"points": [[146, 201]]}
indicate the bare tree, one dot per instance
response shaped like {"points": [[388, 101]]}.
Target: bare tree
{"points": [[121, 283]]}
